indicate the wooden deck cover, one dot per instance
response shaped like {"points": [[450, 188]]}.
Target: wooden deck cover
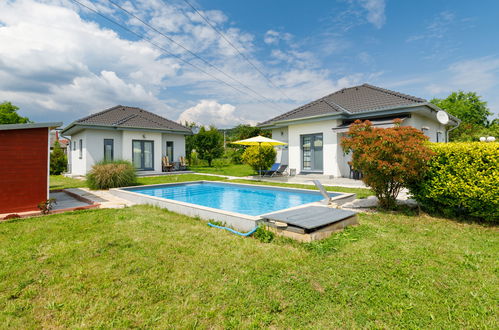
{"points": [[310, 217]]}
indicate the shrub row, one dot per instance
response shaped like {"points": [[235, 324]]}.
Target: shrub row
{"points": [[462, 180]]}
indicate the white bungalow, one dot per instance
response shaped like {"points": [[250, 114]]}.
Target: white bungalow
{"points": [[127, 133], [313, 131]]}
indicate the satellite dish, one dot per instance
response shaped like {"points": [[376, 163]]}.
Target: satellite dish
{"points": [[443, 117]]}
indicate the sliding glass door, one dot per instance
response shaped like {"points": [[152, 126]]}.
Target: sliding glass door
{"points": [[312, 158], [143, 155]]}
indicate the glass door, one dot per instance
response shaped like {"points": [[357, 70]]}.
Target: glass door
{"points": [[312, 157], [143, 155]]}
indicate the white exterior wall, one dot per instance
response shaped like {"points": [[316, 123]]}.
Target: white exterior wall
{"points": [[178, 145], [129, 136], [330, 166], [93, 147], [78, 166], [281, 134], [419, 121]]}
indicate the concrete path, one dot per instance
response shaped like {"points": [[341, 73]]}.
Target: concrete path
{"points": [[65, 201], [104, 197]]}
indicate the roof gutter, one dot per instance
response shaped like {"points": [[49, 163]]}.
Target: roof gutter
{"points": [[83, 126], [368, 113]]}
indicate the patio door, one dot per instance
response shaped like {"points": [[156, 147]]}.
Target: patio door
{"points": [[143, 155], [312, 158]]}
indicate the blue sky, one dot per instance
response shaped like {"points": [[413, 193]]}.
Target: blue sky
{"points": [[59, 61]]}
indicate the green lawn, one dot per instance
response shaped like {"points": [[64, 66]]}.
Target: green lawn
{"points": [[233, 170], [146, 267], [60, 182], [361, 192]]}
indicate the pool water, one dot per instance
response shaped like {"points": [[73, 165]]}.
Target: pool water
{"points": [[244, 199]]}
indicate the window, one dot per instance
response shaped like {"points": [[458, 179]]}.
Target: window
{"points": [[108, 150], [169, 150], [81, 149], [74, 145], [439, 137]]}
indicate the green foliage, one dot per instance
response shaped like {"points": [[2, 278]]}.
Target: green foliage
{"points": [[46, 206], [221, 162], [468, 107], [193, 158], [9, 115], [264, 235], [462, 180], [472, 132], [209, 144], [259, 157], [234, 154], [189, 142], [58, 160], [244, 131], [106, 175], [389, 158]]}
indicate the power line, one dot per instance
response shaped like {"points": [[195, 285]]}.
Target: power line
{"points": [[192, 53], [162, 48], [237, 49]]}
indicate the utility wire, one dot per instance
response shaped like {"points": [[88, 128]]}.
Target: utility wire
{"points": [[237, 49], [163, 49], [193, 54]]}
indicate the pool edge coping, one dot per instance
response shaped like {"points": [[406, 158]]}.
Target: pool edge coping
{"points": [[340, 195]]}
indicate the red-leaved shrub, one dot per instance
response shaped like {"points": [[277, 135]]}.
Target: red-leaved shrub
{"points": [[389, 158]]}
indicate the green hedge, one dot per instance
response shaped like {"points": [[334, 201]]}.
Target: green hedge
{"points": [[462, 181]]}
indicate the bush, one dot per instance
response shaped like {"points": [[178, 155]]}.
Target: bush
{"points": [[58, 160], [462, 181], [105, 175], [389, 158], [234, 154], [259, 158], [264, 235], [221, 162], [208, 144]]}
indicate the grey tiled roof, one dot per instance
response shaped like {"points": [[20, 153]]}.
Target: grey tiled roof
{"points": [[363, 98], [123, 116]]}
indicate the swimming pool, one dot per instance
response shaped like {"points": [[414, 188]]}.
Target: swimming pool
{"points": [[244, 199], [237, 205]]}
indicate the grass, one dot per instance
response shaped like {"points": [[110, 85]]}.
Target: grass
{"points": [[60, 182], [361, 192], [176, 178], [147, 267], [232, 170]]}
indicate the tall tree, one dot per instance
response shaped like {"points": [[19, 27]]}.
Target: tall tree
{"points": [[469, 107], [245, 131], [9, 115], [209, 144]]}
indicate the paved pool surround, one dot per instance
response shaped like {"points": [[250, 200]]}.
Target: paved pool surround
{"points": [[238, 221]]}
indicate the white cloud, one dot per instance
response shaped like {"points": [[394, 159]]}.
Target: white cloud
{"points": [[210, 112], [69, 65], [375, 12], [273, 37], [437, 28]]}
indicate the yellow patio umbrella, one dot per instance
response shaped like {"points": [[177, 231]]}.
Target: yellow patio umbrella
{"points": [[259, 141]]}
